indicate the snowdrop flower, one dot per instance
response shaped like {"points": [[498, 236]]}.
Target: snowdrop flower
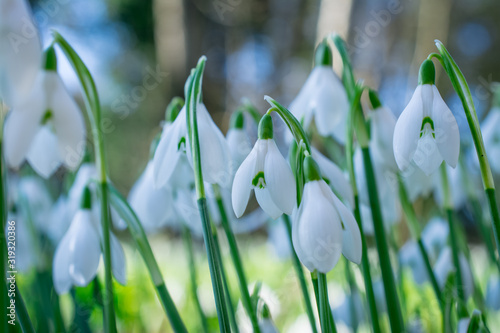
{"points": [[435, 236], [77, 256], [265, 171], [344, 312], [444, 265], [426, 132], [60, 219], [491, 137], [20, 51], [175, 143], [410, 256], [382, 124], [38, 201], [237, 139], [46, 128], [324, 97], [323, 227], [418, 184], [266, 324], [153, 206], [493, 293]]}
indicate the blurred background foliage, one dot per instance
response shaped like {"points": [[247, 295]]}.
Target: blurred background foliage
{"points": [[140, 53]]}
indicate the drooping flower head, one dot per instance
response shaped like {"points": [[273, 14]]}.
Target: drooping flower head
{"points": [[323, 97], [323, 227], [265, 171], [426, 132], [46, 128], [77, 256]]}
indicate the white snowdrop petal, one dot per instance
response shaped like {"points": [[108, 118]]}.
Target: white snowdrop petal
{"points": [[21, 53], [22, 124], [383, 123], [427, 156], [317, 232], [214, 151], [351, 237], [335, 176], [266, 202], [43, 155], [60, 267], [68, 123], [407, 130], [446, 130], [280, 180], [118, 263], [242, 183], [167, 153], [84, 248]]}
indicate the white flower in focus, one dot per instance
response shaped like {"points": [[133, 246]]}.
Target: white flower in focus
{"points": [[323, 227], [174, 144], [267, 172], [46, 128], [426, 132], [491, 138], [323, 97], [77, 256], [20, 51], [153, 206], [444, 265]]}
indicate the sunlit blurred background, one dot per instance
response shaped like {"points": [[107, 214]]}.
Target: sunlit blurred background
{"points": [[140, 53]]}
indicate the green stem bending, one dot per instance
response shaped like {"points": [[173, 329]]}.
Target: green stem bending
{"points": [[186, 235], [393, 304], [235, 256], [300, 275], [462, 89], [136, 230]]}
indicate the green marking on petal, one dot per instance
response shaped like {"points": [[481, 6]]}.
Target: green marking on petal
{"points": [[427, 120], [182, 142], [259, 180], [46, 117]]}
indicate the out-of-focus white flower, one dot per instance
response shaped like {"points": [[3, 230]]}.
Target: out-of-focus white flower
{"points": [[458, 190], [435, 237], [238, 140], [34, 196], [46, 128], [266, 325], [444, 265], [60, 219], [418, 184], [20, 51], [174, 143], [410, 256], [344, 312], [491, 137], [493, 293], [426, 132], [323, 227], [26, 254], [279, 240], [153, 206], [267, 172], [78, 254], [382, 124], [323, 97]]}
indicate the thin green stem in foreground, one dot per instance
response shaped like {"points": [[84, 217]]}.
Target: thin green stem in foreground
{"points": [[136, 230], [235, 256], [325, 312], [300, 275], [22, 314], [462, 89], [186, 235]]}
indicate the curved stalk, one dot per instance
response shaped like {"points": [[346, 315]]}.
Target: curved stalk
{"points": [[93, 107], [462, 89]]}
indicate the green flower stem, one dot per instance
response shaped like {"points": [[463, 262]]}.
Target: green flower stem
{"points": [[300, 275], [235, 256], [193, 96], [4, 299], [461, 87], [93, 107], [22, 314], [225, 282], [186, 235], [415, 232], [136, 230], [325, 312], [393, 304], [448, 207], [354, 290], [355, 122]]}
